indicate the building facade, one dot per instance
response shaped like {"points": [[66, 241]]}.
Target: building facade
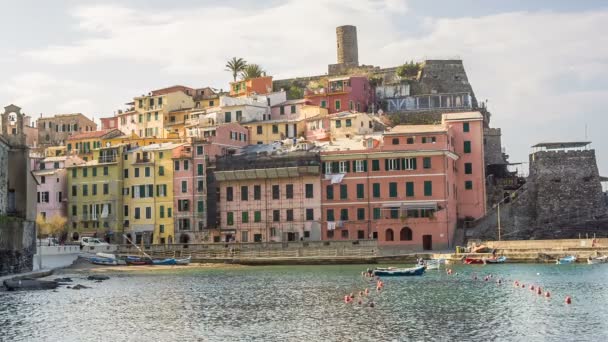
{"points": [[55, 130], [269, 198], [352, 93]]}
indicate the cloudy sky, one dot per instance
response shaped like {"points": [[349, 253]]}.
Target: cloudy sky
{"points": [[542, 65]]}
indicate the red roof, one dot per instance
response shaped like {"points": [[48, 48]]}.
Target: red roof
{"points": [[91, 135], [173, 89]]}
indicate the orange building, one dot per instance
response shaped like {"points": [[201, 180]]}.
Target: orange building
{"points": [[259, 85]]}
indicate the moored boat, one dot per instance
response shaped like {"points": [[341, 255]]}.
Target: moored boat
{"points": [[167, 261], [499, 260], [29, 284], [597, 260], [566, 260], [137, 261], [399, 272], [472, 261], [434, 264], [183, 261], [103, 261]]}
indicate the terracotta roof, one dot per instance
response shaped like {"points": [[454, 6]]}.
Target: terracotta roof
{"points": [[417, 129], [91, 135], [172, 90]]}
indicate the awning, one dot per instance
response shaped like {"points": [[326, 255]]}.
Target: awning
{"points": [[411, 205]]}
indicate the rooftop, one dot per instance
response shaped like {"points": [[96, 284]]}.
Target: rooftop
{"points": [[462, 116], [416, 129], [290, 102], [156, 147], [93, 134], [556, 145]]}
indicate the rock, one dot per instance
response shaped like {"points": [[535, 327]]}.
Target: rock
{"points": [[63, 280], [78, 287], [30, 284], [98, 277]]}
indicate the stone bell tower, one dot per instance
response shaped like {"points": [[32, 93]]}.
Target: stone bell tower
{"points": [[12, 125]]}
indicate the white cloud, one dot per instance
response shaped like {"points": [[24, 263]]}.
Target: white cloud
{"points": [[540, 71]]}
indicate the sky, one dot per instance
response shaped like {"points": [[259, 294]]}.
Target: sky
{"points": [[541, 65]]}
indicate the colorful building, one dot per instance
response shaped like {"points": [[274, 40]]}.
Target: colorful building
{"points": [[266, 132], [55, 130], [190, 193], [269, 197], [83, 144], [252, 86], [95, 195], [221, 140], [109, 123], [411, 189], [148, 193], [353, 93], [348, 124], [52, 186], [152, 111]]}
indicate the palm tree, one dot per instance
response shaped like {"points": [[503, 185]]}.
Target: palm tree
{"points": [[252, 71], [236, 65]]}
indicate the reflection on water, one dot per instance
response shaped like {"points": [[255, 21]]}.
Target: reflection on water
{"points": [[306, 303]]}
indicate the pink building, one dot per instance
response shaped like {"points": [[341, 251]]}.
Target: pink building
{"points": [[189, 192], [343, 93], [224, 139], [266, 197], [288, 110], [109, 123], [51, 178], [411, 189]]}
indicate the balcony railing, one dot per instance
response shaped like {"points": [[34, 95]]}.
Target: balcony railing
{"points": [[107, 159], [142, 160]]}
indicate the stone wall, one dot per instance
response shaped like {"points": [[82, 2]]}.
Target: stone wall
{"points": [[492, 146], [17, 245], [562, 198]]}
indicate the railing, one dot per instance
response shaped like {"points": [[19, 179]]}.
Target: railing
{"points": [[428, 102], [141, 160], [107, 159]]}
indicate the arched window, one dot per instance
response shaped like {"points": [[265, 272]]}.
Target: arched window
{"points": [[390, 235], [405, 234]]}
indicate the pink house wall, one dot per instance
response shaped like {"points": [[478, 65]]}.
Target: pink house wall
{"points": [[193, 194], [266, 204], [219, 144], [54, 184]]}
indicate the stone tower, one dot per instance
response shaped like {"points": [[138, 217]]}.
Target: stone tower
{"points": [[12, 125], [348, 52]]}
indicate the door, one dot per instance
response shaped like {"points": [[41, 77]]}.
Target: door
{"points": [[427, 242]]}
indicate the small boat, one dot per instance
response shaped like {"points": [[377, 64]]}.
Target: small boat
{"points": [[103, 261], [168, 261], [473, 261], [137, 261], [399, 272], [566, 260], [597, 260], [499, 260], [29, 284], [184, 261], [106, 255]]}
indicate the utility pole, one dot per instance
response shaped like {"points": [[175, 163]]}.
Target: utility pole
{"points": [[498, 219]]}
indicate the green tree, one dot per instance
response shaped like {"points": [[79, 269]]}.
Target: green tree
{"points": [[294, 92], [236, 65], [252, 71], [408, 69]]}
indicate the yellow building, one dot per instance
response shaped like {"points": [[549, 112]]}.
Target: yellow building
{"points": [[83, 144], [135, 140], [265, 132], [151, 111], [95, 194], [148, 193]]}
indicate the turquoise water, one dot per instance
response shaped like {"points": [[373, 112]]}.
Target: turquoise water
{"points": [[305, 303]]}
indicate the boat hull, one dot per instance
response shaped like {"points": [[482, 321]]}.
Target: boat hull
{"points": [[499, 260], [165, 262], [103, 261], [472, 261], [400, 272], [184, 261], [597, 260], [566, 260]]}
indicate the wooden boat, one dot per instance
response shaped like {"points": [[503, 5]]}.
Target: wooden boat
{"points": [[566, 260], [184, 261], [103, 261], [29, 284], [499, 260], [473, 261], [137, 261], [165, 262], [597, 260], [106, 255], [399, 272]]}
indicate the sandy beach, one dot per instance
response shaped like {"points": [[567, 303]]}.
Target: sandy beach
{"points": [[82, 265]]}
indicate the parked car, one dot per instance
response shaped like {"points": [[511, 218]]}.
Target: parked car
{"points": [[91, 241]]}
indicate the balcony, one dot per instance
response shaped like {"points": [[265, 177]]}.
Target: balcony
{"points": [[328, 90], [142, 160], [107, 159]]}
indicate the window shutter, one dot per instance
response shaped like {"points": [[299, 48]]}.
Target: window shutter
{"points": [[414, 163], [132, 191], [354, 166], [324, 169], [385, 164], [403, 164], [365, 165], [348, 166]]}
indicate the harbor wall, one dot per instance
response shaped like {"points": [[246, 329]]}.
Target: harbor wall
{"points": [[51, 257], [17, 245]]}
